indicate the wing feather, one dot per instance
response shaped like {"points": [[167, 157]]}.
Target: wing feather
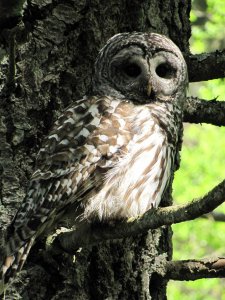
{"points": [[62, 165]]}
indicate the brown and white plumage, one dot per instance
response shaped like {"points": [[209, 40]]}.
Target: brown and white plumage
{"points": [[110, 155]]}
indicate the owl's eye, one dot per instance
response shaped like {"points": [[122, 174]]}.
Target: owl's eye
{"points": [[166, 71], [132, 70]]}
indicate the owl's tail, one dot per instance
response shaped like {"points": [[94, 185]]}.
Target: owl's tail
{"points": [[13, 264]]}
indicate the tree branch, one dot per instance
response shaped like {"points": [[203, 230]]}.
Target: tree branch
{"points": [[202, 111], [215, 216], [206, 66], [152, 219], [195, 269]]}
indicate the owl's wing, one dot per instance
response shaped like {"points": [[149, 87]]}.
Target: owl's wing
{"points": [[65, 165]]}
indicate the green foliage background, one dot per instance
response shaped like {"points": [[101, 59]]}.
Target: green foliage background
{"points": [[202, 164]]}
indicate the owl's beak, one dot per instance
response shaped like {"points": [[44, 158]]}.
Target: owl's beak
{"points": [[149, 89]]}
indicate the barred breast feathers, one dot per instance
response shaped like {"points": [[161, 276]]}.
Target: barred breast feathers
{"points": [[138, 178]]}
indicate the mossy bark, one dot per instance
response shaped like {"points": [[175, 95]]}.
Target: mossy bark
{"points": [[55, 47]]}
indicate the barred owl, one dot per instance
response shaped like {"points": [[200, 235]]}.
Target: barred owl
{"points": [[110, 155]]}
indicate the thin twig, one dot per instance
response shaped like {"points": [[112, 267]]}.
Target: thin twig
{"points": [[215, 216]]}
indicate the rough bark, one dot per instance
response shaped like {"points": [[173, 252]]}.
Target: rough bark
{"points": [[55, 47], [206, 66], [196, 269], [202, 111]]}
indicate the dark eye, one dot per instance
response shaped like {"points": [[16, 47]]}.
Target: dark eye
{"points": [[132, 70], [166, 71]]}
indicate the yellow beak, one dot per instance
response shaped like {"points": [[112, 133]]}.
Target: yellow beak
{"points": [[149, 89]]}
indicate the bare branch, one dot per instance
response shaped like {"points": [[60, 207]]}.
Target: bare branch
{"points": [[152, 219], [206, 66], [202, 111], [215, 216], [196, 269]]}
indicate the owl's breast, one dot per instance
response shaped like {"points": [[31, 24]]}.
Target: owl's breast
{"points": [[139, 169]]}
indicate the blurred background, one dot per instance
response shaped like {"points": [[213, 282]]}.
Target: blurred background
{"points": [[202, 164]]}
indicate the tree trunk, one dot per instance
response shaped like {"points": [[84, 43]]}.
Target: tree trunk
{"points": [[55, 48]]}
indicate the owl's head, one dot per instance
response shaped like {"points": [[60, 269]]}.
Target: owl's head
{"points": [[142, 67]]}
